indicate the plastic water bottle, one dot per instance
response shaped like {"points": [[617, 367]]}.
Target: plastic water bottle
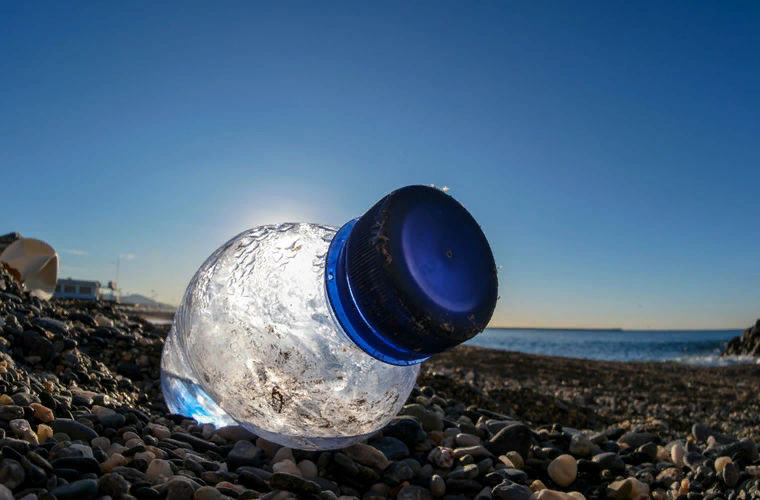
{"points": [[311, 336]]}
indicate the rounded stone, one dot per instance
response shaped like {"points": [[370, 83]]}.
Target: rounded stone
{"points": [[207, 493], [677, 454], [437, 486], [563, 470], [113, 485], [159, 470]]}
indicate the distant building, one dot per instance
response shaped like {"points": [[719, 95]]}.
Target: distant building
{"points": [[77, 289]]}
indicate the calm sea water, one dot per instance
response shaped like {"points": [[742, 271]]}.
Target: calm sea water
{"points": [[689, 347]]}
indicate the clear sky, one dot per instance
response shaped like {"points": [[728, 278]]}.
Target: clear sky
{"points": [[610, 150]]}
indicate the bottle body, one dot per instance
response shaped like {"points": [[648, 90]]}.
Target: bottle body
{"points": [[255, 342]]}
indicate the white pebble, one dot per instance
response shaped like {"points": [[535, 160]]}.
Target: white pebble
{"points": [[547, 494], [159, 471], [563, 470], [308, 469], [677, 454], [287, 466]]}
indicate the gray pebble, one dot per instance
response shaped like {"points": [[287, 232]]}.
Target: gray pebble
{"points": [[581, 446], [513, 475], [180, 488], [469, 471], [429, 419], [730, 474], [398, 472], [289, 482], [84, 489], [11, 412], [508, 490], [513, 437], [74, 429], [437, 486], [392, 448], [243, 453], [702, 432], [113, 484], [11, 473], [412, 492], [611, 461]]}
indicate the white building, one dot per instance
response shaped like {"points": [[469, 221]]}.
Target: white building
{"points": [[77, 289]]}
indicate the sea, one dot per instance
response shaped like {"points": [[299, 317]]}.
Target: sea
{"points": [[691, 347]]}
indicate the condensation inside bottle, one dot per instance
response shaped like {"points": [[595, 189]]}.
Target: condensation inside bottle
{"points": [[255, 341]]}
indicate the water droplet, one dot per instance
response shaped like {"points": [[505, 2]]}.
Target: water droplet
{"points": [[330, 276]]}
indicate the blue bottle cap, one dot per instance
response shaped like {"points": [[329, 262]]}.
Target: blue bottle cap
{"points": [[412, 277]]}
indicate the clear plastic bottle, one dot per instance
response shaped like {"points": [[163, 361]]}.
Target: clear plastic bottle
{"points": [[311, 336]]}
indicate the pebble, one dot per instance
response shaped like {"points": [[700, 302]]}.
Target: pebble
{"points": [[207, 493], [677, 454], [391, 447], [244, 453], [537, 485], [475, 451], [441, 457], [286, 466], [516, 459], [610, 460], [581, 446], [158, 430], [113, 484], [115, 460], [11, 412], [5, 493], [11, 473], [159, 471], [563, 470], [84, 489], [23, 430], [235, 433], [513, 437], [308, 469], [73, 429], [181, 488], [508, 490], [437, 486], [730, 474], [629, 489], [547, 494], [42, 413], [367, 455], [430, 420], [412, 492], [465, 440], [293, 483]]}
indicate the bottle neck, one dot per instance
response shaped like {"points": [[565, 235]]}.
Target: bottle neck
{"points": [[343, 302]]}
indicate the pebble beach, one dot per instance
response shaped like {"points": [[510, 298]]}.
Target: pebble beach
{"points": [[82, 417]]}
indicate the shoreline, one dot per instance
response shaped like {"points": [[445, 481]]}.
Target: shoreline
{"points": [[542, 389]]}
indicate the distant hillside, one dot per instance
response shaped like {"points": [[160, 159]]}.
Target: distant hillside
{"points": [[142, 300]]}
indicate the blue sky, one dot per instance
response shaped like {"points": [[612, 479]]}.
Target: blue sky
{"points": [[609, 149]]}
